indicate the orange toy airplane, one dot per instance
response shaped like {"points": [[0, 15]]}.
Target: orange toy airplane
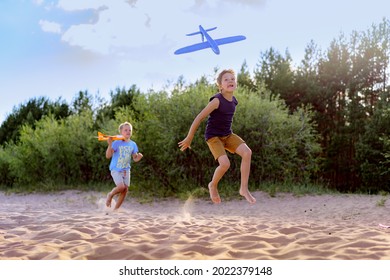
{"points": [[104, 137]]}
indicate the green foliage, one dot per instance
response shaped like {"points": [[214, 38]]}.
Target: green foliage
{"points": [[55, 152], [342, 86], [274, 71], [285, 146], [121, 98], [244, 78], [373, 151], [28, 113], [5, 169], [297, 189], [164, 121]]}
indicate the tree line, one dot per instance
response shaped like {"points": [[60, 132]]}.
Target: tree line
{"points": [[326, 120], [347, 89]]}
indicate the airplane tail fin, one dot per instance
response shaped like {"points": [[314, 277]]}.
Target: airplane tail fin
{"points": [[100, 135], [198, 32]]}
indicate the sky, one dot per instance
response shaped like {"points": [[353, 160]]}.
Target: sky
{"points": [[56, 48]]}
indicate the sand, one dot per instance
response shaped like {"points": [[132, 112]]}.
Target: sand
{"points": [[77, 225]]}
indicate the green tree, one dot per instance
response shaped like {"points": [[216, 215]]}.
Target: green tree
{"points": [[244, 78], [83, 101], [373, 149], [28, 113], [119, 99], [342, 86], [274, 71]]}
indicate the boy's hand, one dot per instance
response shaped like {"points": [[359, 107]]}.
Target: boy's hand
{"points": [[186, 143], [109, 140], [137, 157]]}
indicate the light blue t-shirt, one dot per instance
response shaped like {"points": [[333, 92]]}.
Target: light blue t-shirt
{"points": [[123, 152]]}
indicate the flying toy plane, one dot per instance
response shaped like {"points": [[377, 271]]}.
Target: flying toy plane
{"points": [[209, 43]]}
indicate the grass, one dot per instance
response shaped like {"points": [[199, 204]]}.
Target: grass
{"points": [[381, 202], [46, 187], [296, 189], [149, 191], [230, 192]]}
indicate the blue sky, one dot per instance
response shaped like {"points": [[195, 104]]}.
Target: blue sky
{"points": [[57, 48]]}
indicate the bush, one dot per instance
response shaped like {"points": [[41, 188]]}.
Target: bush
{"points": [[59, 152]]}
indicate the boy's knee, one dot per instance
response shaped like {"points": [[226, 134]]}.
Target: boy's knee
{"points": [[224, 163], [246, 152], [122, 188]]}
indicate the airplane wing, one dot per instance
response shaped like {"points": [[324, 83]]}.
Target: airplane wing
{"points": [[205, 45], [229, 40], [192, 48]]}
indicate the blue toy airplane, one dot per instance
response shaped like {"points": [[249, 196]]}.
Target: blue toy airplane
{"points": [[209, 43]]}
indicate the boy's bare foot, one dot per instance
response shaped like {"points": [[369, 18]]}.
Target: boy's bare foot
{"points": [[214, 195], [248, 196], [109, 199]]}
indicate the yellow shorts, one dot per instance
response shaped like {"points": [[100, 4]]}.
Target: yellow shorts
{"points": [[218, 145]]}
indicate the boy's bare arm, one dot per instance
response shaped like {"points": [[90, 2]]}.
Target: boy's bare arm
{"points": [[186, 143], [109, 150]]}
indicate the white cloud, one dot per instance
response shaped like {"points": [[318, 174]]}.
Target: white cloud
{"points": [[118, 26], [38, 2], [249, 2], [144, 28], [124, 25], [131, 2], [50, 26], [75, 5]]}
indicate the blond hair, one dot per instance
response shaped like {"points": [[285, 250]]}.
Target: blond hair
{"points": [[223, 72], [124, 124]]}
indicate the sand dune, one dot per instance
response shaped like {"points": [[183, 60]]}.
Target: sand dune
{"points": [[76, 225]]}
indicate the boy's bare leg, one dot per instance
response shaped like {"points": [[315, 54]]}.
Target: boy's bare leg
{"points": [[246, 154], [109, 199], [224, 165], [121, 198], [115, 191], [214, 195]]}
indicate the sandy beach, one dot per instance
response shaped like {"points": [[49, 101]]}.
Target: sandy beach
{"points": [[77, 225]]}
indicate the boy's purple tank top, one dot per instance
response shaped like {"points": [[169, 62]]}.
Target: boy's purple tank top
{"points": [[220, 120]]}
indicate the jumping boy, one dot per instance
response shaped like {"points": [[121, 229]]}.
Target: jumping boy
{"points": [[220, 137]]}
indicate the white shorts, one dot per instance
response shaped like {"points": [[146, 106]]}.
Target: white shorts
{"points": [[121, 177]]}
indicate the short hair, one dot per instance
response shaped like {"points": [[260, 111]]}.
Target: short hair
{"points": [[223, 72], [124, 124]]}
